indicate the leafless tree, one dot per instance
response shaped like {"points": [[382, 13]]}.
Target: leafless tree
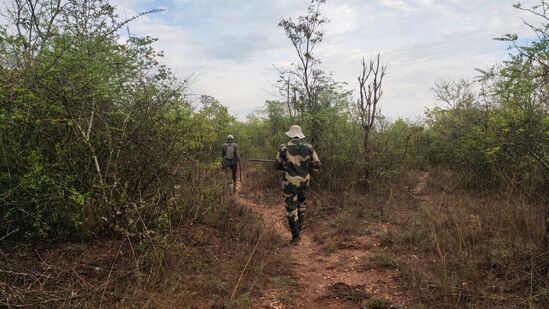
{"points": [[287, 91], [370, 85]]}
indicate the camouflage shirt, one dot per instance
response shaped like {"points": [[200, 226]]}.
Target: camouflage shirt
{"points": [[295, 158]]}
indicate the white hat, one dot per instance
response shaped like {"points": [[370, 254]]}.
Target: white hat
{"points": [[295, 131], [230, 137]]}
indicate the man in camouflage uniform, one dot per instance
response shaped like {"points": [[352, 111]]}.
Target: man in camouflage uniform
{"points": [[295, 158], [229, 153]]}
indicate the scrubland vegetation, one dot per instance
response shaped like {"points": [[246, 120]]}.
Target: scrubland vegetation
{"points": [[111, 191], [109, 186], [464, 190]]}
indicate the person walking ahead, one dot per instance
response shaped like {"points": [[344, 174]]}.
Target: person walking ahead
{"points": [[229, 152], [295, 158]]}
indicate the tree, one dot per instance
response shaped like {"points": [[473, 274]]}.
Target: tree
{"points": [[370, 86], [523, 86], [305, 34], [92, 128]]}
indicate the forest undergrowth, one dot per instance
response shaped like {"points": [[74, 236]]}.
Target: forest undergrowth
{"points": [[197, 264], [112, 193], [451, 247]]}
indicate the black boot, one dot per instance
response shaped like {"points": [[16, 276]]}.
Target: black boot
{"points": [[301, 215], [294, 229]]}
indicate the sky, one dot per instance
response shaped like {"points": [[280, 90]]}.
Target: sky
{"points": [[229, 47]]}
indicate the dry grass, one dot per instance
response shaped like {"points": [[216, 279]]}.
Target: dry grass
{"points": [[197, 265], [454, 248], [262, 183], [382, 260], [481, 250], [355, 294]]}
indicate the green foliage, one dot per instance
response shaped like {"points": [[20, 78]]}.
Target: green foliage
{"points": [[499, 136], [92, 128], [493, 133]]}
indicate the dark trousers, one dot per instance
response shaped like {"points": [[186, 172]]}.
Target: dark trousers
{"points": [[234, 170]]}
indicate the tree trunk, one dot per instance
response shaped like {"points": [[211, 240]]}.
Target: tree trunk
{"points": [[546, 238], [315, 135], [366, 145]]}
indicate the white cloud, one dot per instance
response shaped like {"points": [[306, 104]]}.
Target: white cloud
{"points": [[231, 45], [398, 4]]}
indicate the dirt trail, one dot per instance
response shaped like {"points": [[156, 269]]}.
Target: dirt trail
{"points": [[419, 191], [329, 280]]}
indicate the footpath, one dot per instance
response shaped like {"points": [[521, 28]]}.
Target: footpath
{"points": [[329, 279]]}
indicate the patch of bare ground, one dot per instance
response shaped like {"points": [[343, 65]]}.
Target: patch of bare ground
{"points": [[334, 279]]}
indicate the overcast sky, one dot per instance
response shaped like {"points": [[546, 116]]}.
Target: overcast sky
{"points": [[231, 45]]}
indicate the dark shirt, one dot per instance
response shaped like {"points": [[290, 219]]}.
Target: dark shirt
{"points": [[225, 153]]}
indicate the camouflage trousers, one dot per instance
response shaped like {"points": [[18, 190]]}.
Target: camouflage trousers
{"points": [[296, 206]]}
